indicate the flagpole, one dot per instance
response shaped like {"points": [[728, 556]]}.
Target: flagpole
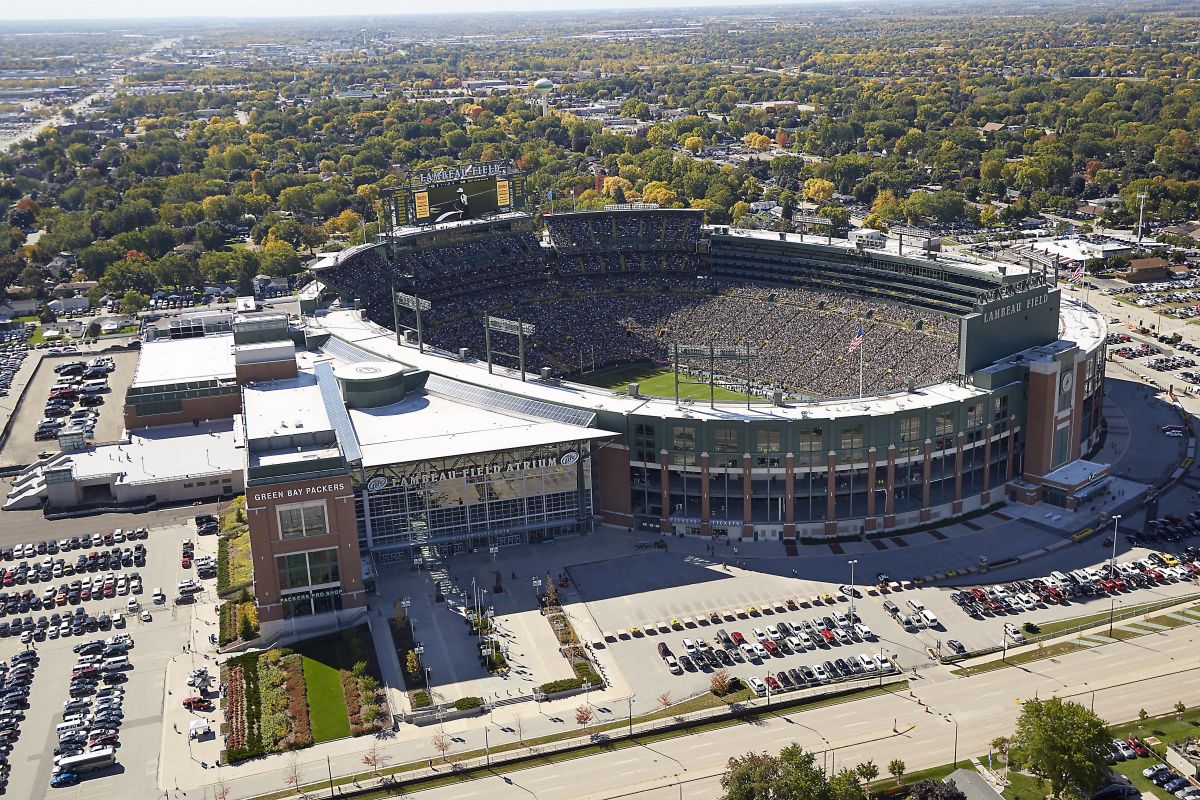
{"points": [[860, 370]]}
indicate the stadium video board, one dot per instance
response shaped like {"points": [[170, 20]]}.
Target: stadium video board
{"points": [[470, 191]]}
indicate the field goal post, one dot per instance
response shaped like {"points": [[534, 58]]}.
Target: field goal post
{"points": [[710, 354], [416, 305], [512, 327]]}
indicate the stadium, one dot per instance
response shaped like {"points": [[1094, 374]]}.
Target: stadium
{"points": [[795, 386]]}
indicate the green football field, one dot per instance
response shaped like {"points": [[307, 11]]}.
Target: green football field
{"points": [[654, 381]]}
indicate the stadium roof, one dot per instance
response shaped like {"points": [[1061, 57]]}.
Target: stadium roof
{"points": [[423, 427], [348, 326], [163, 453]]}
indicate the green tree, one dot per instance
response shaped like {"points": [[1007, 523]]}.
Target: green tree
{"points": [[895, 768], [1063, 743], [412, 665], [132, 302], [935, 790], [279, 258]]}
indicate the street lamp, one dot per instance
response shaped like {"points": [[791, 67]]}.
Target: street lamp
{"points": [[630, 699], [951, 718], [852, 562], [1112, 573]]}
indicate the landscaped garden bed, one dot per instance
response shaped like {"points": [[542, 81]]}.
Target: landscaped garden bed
{"points": [[288, 698]]}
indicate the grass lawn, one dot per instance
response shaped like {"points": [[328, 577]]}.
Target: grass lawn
{"points": [[1024, 787], [1048, 651], [326, 703], [655, 381], [1093, 620]]}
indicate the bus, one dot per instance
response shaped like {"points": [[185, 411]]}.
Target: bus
{"points": [[88, 762]]}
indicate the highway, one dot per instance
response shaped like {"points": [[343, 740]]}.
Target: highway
{"points": [[78, 106], [1151, 672]]}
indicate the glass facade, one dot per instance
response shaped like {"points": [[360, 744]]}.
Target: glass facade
{"points": [[309, 583], [509, 497], [859, 488]]}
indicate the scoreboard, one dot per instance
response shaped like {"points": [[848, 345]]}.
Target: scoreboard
{"points": [[450, 194]]}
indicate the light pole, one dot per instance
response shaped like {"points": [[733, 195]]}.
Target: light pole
{"points": [[950, 717], [1004, 653], [487, 749], [1112, 573], [852, 562], [630, 699]]}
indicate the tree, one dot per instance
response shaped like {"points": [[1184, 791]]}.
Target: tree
{"points": [[1063, 743], [221, 790], [935, 790], [442, 744], [720, 683], [794, 773], [132, 302], [895, 768], [279, 258], [664, 700], [818, 190], [583, 715], [868, 771], [371, 757], [1180, 707], [412, 664], [291, 772], [693, 144]]}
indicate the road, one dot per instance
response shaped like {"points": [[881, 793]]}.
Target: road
{"points": [[1164, 669], [80, 105]]}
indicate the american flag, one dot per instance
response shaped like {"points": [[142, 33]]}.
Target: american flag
{"points": [[857, 341], [1077, 275]]}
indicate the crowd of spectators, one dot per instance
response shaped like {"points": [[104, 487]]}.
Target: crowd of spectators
{"points": [[799, 338], [603, 305], [653, 231]]}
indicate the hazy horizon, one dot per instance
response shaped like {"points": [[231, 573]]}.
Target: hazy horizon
{"points": [[133, 10]]}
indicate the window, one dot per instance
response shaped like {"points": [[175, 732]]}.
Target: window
{"points": [[302, 570], [975, 416], [644, 442], [1000, 408], [685, 438], [944, 423], [767, 441], [725, 439], [910, 429], [296, 522]]}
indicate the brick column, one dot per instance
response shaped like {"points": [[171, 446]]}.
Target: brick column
{"points": [[705, 499], [986, 497], [664, 524], [958, 472], [870, 521], [789, 526], [925, 513], [747, 505], [889, 506], [1012, 432], [831, 493]]}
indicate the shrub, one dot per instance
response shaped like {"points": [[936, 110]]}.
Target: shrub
{"points": [[421, 700], [587, 672], [561, 685], [370, 714], [468, 703]]}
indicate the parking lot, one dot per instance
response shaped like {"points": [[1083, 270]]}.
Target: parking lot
{"points": [[157, 643], [22, 448], [653, 597]]}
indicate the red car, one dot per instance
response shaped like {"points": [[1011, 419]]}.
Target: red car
{"points": [[771, 647], [86, 672], [107, 740], [771, 682], [185, 562], [197, 704], [738, 638], [827, 635], [1137, 746]]}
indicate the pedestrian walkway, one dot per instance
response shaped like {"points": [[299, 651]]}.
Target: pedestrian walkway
{"points": [[1096, 638]]}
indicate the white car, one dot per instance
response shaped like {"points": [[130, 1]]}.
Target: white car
{"points": [[864, 633], [760, 635], [761, 652], [757, 686], [868, 664], [796, 645], [146, 616], [672, 662], [773, 633], [749, 651]]}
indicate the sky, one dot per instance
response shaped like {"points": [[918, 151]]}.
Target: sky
{"points": [[160, 9]]}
